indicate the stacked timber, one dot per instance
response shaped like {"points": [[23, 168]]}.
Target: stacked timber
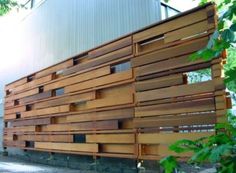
{"points": [[129, 98]]}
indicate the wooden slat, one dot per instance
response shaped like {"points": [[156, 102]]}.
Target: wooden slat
{"points": [[36, 97], [67, 146], [161, 150], [168, 138], [8, 137], [103, 115], [100, 60], [46, 111], [9, 117], [181, 120], [181, 90], [100, 125], [110, 47], [23, 94], [111, 138], [112, 148], [14, 143], [122, 93], [78, 78], [16, 83], [8, 104], [188, 31], [176, 108], [54, 68], [66, 100], [160, 82], [30, 122], [170, 64], [170, 52], [170, 25], [14, 110], [33, 83], [178, 99], [46, 138], [176, 71], [21, 129], [100, 81]]}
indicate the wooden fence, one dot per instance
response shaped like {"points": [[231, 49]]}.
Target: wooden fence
{"points": [[129, 98]]}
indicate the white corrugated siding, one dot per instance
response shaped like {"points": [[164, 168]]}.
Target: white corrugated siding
{"points": [[59, 29]]}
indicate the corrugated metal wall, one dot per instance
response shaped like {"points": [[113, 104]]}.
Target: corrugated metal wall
{"points": [[59, 29]]}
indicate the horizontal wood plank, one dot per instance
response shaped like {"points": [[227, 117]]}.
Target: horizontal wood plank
{"points": [[111, 138], [160, 82], [46, 138], [176, 108], [168, 138], [100, 81], [185, 48], [78, 78], [100, 125], [67, 146], [181, 90], [110, 47]]}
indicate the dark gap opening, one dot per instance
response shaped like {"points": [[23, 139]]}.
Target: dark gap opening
{"points": [[29, 144], [151, 40], [119, 124], [74, 106], [58, 92], [38, 128], [8, 92], [76, 59], [16, 102], [18, 115], [123, 66], [15, 137], [5, 124], [29, 107], [41, 89], [79, 138], [30, 78]]}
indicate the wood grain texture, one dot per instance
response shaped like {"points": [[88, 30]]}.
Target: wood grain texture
{"points": [[67, 146]]}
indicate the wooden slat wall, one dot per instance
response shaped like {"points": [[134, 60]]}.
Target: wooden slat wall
{"points": [[129, 98]]}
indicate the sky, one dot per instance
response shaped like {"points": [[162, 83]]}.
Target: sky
{"points": [[183, 5]]}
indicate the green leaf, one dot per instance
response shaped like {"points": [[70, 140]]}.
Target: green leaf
{"points": [[169, 164], [219, 151], [227, 1], [220, 25], [228, 35], [201, 156], [184, 145], [233, 27]]}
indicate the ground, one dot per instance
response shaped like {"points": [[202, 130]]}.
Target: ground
{"points": [[9, 164], [13, 165]]}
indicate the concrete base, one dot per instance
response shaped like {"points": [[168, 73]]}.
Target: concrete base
{"points": [[86, 163]]}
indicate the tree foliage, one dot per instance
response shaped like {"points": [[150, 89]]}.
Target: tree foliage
{"points": [[6, 6], [218, 149]]}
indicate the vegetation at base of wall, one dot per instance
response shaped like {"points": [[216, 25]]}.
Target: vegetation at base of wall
{"points": [[218, 149]]}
